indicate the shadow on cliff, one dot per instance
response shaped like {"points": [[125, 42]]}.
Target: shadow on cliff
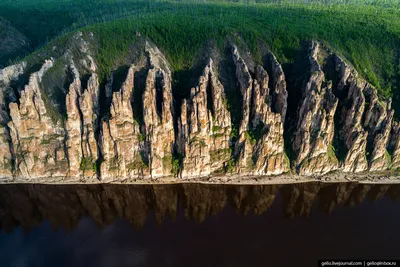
{"points": [[297, 75]]}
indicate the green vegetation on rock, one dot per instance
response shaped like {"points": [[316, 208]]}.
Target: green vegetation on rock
{"points": [[332, 154], [87, 163]]}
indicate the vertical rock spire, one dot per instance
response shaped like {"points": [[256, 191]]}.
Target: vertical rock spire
{"points": [[73, 124], [37, 139], [315, 125], [204, 128], [351, 131], [82, 112], [260, 148], [7, 76], [158, 114], [278, 86], [120, 138], [341, 118]]}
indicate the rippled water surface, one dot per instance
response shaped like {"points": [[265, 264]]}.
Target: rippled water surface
{"points": [[196, 225]]}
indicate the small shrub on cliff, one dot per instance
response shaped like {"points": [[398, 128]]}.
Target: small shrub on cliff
{"points": [[332, 153], [216, 128], [141, 137], [176, 163], [87, 164], [230, 166], [175, 167], [388, 157], [251, 137], [137, 164]]}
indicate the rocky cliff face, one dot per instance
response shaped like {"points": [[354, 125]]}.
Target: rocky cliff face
{"points": [[260, 147], [7, 94], [341, 123], [119, 141], [82, 109], [158, 113], [394, 144], [128, 129], [6, 156], [315, 125], [204, 128], [364, 120], [39, 142], [129, 149]]}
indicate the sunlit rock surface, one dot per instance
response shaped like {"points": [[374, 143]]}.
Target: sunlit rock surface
{"points": [[135, 124], [260, 147], [315, 126], [204, 128]]}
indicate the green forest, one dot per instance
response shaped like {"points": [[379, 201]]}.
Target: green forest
{"points": [[365, 32]]}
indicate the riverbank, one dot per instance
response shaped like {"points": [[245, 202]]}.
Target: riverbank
{"points": [[334, 177]]}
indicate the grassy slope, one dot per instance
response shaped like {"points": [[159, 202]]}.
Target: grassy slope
{"points": [[367, 35]]}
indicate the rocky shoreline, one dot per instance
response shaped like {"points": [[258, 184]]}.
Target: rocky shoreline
{"points": [[336, 177]]}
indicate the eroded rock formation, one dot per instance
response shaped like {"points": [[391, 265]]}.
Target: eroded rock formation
{"points": [[364, 120], [344, 112], [315, 125], [127, 128], [260, 148], [120, 135], [7, 94], [158, 113], [82, 110], [37, 139], [204, 128], [6, 156], [395, 144]]}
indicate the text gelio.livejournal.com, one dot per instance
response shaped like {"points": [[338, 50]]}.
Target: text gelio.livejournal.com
{"points": [[359, 263]]}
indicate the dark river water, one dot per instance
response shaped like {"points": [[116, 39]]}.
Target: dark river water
{"points": [[197, 225]]}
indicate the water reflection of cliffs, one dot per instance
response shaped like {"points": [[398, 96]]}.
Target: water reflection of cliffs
{"points": [[29, 205]]}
